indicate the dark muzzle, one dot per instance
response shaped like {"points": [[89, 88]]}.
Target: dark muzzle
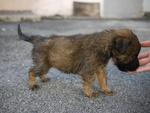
{"points": [[131, 66]]}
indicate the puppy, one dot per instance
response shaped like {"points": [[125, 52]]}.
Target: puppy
{"points": [[86, 55]]}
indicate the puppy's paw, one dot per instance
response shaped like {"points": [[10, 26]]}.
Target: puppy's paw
{"points": [[93, 95], [34, 87], [45, 80], [109, 93]]}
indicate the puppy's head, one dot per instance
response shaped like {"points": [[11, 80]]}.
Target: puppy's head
{"points": [[126, 48]]}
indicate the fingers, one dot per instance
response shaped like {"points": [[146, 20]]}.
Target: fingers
{"points": [[144, 58], [143, 68], [144, 61], [145, 44], [143, 55]]}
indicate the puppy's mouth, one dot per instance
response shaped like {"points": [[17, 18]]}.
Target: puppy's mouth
{"points": [[131, 66]]}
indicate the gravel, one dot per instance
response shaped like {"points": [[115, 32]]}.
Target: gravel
{"points": [[63, 94]]}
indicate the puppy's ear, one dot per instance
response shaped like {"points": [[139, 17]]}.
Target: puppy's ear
{"points": [[121, 44]]}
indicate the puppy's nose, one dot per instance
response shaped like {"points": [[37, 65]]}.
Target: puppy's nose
{"points": [[133, 65]]}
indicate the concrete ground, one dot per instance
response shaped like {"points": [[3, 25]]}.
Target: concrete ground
{"points": [[63, 94]]}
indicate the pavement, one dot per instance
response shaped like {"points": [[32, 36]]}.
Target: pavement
{"points": [[63, 94]]}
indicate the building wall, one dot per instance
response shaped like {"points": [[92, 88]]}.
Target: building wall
{"points": [[42, 7], [13, 5], [65, 7], [122, 8], [53, 7], [56, 7], [146, 5]]}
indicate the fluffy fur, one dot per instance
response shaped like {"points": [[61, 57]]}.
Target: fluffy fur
{"points": [[86, 55]]}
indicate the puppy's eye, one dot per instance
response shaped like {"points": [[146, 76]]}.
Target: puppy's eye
{"points": [[122, 45]]}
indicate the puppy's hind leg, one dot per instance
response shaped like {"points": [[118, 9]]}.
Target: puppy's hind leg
{"points": [[44, 71], [38, 70], [32, 80]]}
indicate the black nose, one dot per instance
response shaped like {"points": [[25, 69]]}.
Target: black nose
{"points": [[122, 67], [132, 66]]}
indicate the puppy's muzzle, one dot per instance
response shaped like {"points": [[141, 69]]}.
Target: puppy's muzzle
{"points": [[131, 66]]}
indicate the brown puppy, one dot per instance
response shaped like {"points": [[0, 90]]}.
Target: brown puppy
{"points": [[86, 55]]}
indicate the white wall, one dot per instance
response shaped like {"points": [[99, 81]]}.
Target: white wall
{"points": [[53, 7], [56, 7], [109, 8], [147, 5], [13, 5], [122, 8]]}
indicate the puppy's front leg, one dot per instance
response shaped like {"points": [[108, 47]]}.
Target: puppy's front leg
{"points": [[102, 79]]}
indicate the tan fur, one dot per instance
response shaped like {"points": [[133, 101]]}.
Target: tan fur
{"points": [[86, 55]]}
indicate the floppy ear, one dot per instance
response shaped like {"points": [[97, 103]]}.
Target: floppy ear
{"points": [[121, 44]]}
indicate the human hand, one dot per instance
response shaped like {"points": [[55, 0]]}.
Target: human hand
{"points": [[145, 44], [144, 58]]}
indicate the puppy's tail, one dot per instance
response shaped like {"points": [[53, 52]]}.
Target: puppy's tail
{"points": [[24, 37]]}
